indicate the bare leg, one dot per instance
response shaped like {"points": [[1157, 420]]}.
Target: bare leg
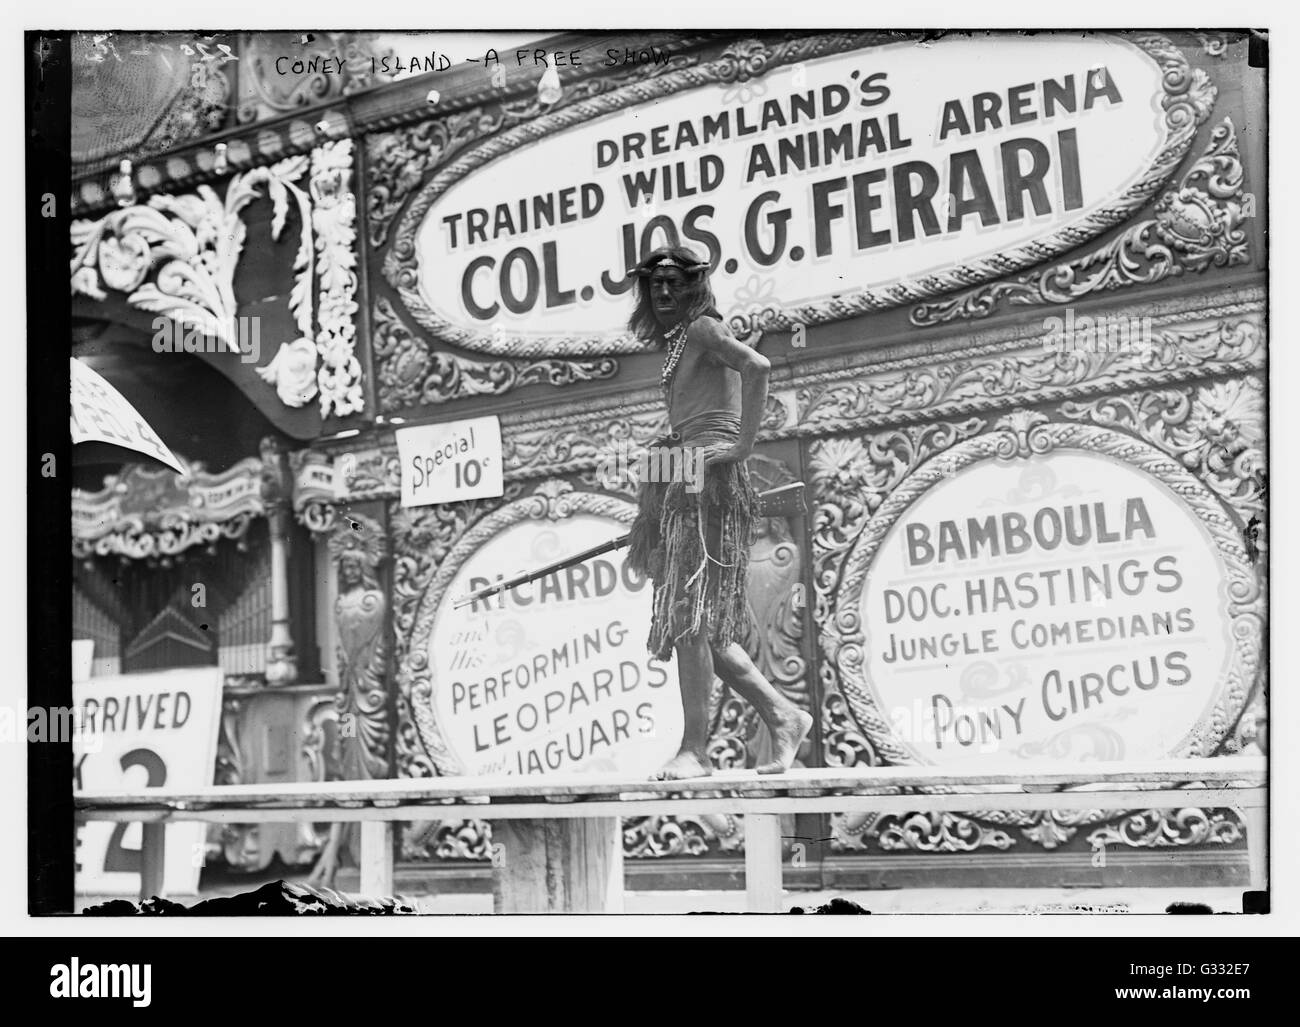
{"points": [[695, 673], [788, 724]]}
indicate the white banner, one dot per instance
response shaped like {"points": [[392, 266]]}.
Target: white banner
{"points": [[102, 414]]}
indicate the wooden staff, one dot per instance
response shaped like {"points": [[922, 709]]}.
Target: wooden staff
{"points": [[785, 501]]}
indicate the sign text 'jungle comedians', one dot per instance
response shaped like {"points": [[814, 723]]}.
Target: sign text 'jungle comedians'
{"points": [[825, 172]]}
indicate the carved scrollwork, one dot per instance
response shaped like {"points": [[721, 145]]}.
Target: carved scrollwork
{"points": [[851, 479], [1161, 828], [1215, 430], [1213, 44], [564, 445], [843, 743], [148, 512], [191, 245], [660, 836], [410, 373], [194, 243], [937, 832], [447, 840], [1197, 225], [333, 220]]}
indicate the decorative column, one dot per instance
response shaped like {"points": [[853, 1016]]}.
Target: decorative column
{"points": [[281, 661], [357, 547]]}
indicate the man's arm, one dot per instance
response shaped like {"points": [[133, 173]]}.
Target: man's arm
{"points": [[716, 339]]}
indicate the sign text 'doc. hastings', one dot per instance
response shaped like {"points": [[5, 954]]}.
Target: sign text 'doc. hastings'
{"points": [[1061, 606]]}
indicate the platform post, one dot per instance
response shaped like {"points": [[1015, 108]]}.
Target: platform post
{"points": [[152, 859], [557, 866], [376, 858], [1257, 846], [763, 890]]}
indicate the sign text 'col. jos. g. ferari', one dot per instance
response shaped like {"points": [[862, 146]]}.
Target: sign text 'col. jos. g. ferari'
{"points": [[818, 189]]}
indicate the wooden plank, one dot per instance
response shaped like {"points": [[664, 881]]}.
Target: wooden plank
{"points": [[1257, 845], [451, 790], [1094, 798], [558, 866], [376, 858], [153, 850], [763, 890]]}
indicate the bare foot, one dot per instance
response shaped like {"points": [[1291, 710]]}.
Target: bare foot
{"points": [[685, 764], [788, 728]]}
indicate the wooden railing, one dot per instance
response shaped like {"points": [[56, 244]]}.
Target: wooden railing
{"points": [[562, 839]]}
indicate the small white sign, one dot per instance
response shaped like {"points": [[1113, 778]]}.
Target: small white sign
{"points": [[442, 463], [155, 730]]}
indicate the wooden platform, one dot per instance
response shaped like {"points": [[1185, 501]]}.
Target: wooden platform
{"points": [[563, 852]]}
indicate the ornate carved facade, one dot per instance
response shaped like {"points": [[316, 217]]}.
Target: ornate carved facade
{"points": [[897, 390]]}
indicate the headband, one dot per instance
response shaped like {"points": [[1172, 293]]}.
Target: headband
{"points": [[644, 270]]}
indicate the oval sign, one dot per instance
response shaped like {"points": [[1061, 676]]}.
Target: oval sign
{"points": [[819, 189], [1062, 605], [551, 677]]}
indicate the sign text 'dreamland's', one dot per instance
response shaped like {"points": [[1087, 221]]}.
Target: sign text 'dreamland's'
{"points": [[851, 172]]}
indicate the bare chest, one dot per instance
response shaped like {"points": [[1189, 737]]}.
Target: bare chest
{"points": [[702, 383]]}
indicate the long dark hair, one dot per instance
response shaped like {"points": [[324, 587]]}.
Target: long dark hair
{"points": [[698, 300]]}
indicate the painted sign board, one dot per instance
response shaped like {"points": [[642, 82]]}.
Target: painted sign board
{"points": [[144, 731], [821, 181], [551, 677], [1076, 596]]}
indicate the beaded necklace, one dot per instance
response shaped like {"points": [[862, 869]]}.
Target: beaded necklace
{"points": [[676, 339]]}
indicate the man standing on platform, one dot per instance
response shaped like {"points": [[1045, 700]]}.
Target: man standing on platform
{"points": [[692, 537]]}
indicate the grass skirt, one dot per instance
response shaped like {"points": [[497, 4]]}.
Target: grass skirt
{"points": [[694, 546]]}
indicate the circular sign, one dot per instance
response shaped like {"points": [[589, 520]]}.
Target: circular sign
{"points": [[552, 676], [1062, 604]]}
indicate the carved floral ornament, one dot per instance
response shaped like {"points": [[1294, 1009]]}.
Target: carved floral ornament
{"points": [[1225, 337], [1182, 345], [410, 372], [467, 143], [176, 256], [155, 512], [1197, 224], [1014, 437]]}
